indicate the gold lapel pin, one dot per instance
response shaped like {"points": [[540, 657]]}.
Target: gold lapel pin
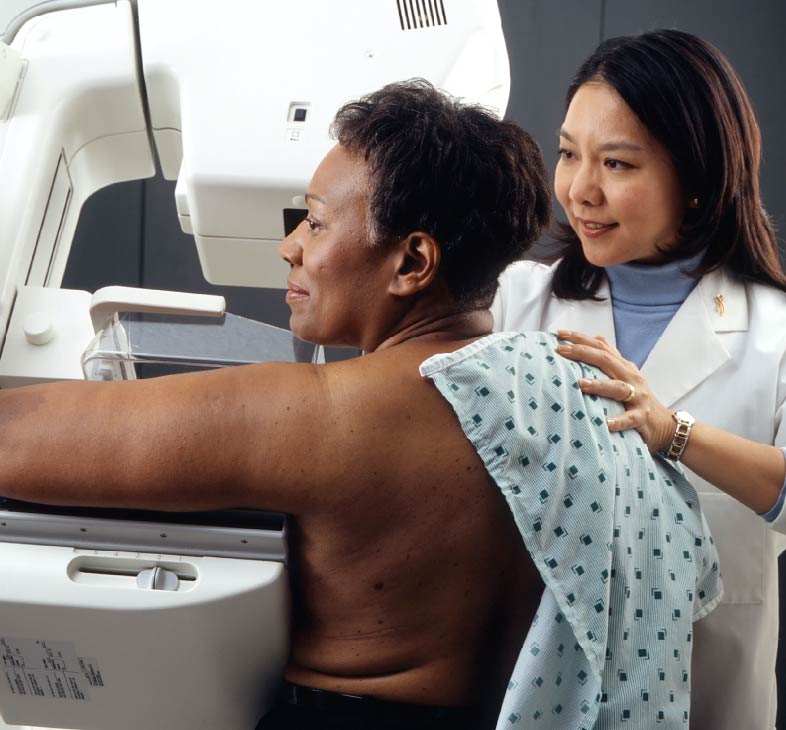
{"points": [[720, 304]]}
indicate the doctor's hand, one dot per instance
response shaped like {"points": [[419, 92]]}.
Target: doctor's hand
{"points": [[643, 411]]}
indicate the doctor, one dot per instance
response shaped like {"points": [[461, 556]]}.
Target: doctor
{"points": [[670, 256]]}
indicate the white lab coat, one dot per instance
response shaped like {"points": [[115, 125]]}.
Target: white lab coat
{"points": [[728, 370]]}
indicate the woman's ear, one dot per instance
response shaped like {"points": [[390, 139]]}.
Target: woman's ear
{"points": [[417, 263]]}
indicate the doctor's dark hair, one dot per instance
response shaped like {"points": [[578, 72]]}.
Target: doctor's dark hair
{"points": [[478, 185], [691, 100]]}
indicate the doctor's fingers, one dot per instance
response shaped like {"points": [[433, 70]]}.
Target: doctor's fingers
{"points": [[637, 410], [643, 412], [618, 390], [633, 418], [599, 342], [611, 363]]}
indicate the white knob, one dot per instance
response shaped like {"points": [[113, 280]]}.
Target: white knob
{"points": [[38, 328], [157, 579]]}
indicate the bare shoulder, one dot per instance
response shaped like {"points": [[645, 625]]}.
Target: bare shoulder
{"points": [[381, 404], [313, 436], [382, 387]]}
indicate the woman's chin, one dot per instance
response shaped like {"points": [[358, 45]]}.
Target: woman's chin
{"points": [[308, 334], [601, 259], [319, 335], [304, 334], [604, 256]]}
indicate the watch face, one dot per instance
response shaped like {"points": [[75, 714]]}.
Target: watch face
{"points": [[685, 416]]}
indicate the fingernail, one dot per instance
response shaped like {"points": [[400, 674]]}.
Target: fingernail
{"points": [[564, 333], [610, 421], [585, 382], [564, 348]]}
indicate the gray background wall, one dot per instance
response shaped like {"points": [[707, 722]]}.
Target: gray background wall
{"points": [[128, 234]]}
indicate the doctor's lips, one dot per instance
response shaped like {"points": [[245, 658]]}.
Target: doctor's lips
{"points": [[295, 292], [594, 228]]}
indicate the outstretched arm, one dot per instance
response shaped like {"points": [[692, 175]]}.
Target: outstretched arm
{"points": [[212, 440], [752, 473]]}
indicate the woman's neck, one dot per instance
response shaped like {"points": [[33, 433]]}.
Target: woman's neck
{"points": [[440, 326]]}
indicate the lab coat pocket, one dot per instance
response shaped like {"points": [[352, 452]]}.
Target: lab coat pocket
{"points": [[740, 536]]}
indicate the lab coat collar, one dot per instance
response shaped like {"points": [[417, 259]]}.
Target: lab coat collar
{"points": [[690, 349], [586, 316]]}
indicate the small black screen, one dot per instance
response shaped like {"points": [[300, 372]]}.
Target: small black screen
{"points": [[293, 217]]}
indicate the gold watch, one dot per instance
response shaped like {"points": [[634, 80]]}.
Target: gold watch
{"points": [[684, 424]]}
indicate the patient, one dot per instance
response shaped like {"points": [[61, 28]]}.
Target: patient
{"points": [[414, 471]]}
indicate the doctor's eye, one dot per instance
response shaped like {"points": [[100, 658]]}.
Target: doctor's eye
{"points": [[312, 224]]}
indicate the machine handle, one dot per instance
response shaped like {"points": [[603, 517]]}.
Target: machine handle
{"points": [[111, 299], [10, 70]]}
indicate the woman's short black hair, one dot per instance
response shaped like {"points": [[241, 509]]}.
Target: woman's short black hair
{"points": [[691, 100], [453, 170]]}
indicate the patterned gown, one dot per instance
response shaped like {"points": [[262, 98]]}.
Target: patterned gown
{"points": [[617, 535]]}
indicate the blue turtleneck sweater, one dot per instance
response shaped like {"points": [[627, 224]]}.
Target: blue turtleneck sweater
{"points": [[644, 299]]}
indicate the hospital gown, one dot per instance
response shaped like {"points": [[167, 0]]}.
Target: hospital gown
{"points": [[617, 535]]}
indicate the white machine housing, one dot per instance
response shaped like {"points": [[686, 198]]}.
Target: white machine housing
{"points": [[84, 645], [240, 117], [234, 99]]}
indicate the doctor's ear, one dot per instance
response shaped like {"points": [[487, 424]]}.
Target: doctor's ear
{"points": [[417, 263]]}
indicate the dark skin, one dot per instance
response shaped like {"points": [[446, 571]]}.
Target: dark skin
{"points": [[413, 581]]}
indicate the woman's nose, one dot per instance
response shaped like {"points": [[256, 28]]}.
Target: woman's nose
{"points": [[585, 189], [289, 249]]}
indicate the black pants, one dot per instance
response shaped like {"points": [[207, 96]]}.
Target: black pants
{"points": [[305, 708]]}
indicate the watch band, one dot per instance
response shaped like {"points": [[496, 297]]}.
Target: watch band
{"points": [[684, 424]]}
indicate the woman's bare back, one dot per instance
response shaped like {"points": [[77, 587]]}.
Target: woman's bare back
{"points": [[414, 584]]}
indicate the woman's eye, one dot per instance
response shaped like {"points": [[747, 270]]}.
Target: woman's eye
{"points": [[565, 154], [616, 165], [312, 224]]}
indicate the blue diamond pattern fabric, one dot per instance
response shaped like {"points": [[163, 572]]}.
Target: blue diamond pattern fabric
{"points": [[617, 535]]}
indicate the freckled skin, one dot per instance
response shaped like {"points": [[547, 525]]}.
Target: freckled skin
{"points": [[426, 545], [412, 582]]}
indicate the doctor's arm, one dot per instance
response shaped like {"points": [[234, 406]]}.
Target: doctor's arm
{"points": [[751, 472], [211, 440]]}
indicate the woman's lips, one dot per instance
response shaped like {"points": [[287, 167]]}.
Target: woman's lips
{"points": [[593, 229], [295, 293]]}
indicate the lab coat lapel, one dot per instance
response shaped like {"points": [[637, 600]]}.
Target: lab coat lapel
{"points": [[691, 348], [587, 317]]}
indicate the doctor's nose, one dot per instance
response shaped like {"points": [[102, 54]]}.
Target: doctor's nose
{"points": [[584, 188]]}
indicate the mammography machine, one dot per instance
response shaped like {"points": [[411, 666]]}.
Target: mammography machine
{"points": [[113, 620]]}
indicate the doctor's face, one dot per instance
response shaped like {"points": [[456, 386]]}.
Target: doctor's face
{"points": [[616, 182], [337, 276]]}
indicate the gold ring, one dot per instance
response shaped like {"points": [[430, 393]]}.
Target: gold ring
{"points": [[629, 397]]}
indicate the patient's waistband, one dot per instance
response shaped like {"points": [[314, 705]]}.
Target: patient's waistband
{"points": [[307, 707]]}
